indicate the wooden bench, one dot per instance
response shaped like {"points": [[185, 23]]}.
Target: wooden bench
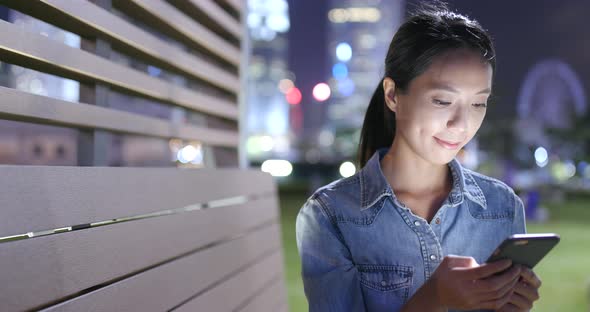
{"points": [[91, 237], [139, 239]]}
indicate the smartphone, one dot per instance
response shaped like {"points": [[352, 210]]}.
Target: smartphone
{"points": [[525, 249]]}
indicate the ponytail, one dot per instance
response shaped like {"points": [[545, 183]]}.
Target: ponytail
{"points": [[378, 127]]}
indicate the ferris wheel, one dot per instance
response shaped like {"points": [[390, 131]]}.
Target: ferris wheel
{"points": [[550, 97]]}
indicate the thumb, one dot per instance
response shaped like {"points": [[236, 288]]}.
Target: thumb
{"points": [[461, 262]]}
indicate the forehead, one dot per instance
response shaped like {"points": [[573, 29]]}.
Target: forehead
{"points": [[459, 69]]}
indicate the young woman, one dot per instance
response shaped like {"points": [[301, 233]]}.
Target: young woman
{"points": [[412, 230]]}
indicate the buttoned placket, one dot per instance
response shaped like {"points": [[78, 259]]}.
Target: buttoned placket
{"points": [[428, 236]]}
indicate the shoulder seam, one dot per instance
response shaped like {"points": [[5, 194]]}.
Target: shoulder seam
{"points": [[330, 216]]}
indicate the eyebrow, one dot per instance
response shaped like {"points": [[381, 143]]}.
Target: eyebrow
{"points": [[444, 87]]}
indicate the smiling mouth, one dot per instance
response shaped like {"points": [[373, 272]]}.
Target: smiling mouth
{"points": [[447, 144]]}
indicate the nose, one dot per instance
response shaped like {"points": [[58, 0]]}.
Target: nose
{"points": [[459, 120]]}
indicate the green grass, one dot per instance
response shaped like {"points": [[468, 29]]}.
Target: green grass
{"points": [[290, 205], [565, 271]]}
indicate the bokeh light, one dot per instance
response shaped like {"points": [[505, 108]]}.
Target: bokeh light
{"points": [[321, 92], [285, 85], [347, 169], [343, 52], [541, 156], [190, 154], [346, 87], [340, 71], [266, 143], [277, 167], [293, 96]]}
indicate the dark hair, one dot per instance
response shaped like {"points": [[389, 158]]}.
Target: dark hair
{"points": [[430, 31]]}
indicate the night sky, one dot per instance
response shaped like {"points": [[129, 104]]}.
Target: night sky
{"points": [[524, 32], [307, 55]]}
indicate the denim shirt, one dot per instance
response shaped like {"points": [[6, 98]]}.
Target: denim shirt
{"points": [[363, 250]]}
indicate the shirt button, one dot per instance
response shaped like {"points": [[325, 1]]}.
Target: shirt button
{"points": [[432, 257], [417, 223], [437, 220], [383, 283]]}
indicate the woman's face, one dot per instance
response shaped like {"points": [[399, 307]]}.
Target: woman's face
{"points": [[443, 108]]}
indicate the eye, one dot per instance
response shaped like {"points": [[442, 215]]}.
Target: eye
{"points": [[439, 102], [480, 105]]}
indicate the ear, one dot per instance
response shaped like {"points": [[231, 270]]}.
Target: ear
{"points": [[390, 94]]}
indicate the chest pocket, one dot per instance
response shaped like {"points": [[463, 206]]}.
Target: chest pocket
{"points": [[386, 277], [385, 287]]}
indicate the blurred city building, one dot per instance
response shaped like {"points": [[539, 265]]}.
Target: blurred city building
{"points": [[359, 33], [331, 73], [268, 131]]}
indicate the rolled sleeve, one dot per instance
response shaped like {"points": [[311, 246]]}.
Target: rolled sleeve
{"points": [[330, 279]]}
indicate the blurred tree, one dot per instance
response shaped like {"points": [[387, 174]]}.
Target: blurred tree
{"points": [[576, 139]]}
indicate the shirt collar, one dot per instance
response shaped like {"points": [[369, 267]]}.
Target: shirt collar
{"points": [[374, 186]]}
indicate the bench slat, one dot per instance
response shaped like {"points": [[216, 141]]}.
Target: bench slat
{"points": [[190, 29], [55, 266], [175, 281], [38, 52], [87, 19], [37, 198], [232, 293], [272, 298], [23, 106]]}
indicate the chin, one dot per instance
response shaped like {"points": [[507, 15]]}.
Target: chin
{"points": [[441, 158]]}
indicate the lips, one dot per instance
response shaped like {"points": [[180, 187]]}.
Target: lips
{"points": [[447, 144]]}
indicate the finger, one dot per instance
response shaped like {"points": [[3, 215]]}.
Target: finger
{"points": [[486, 269], [497, 304], [530, 277], [521, 302], [494, 283], [460, 261], [527, 291], [496, 294], [506, 289], [509, 307]]}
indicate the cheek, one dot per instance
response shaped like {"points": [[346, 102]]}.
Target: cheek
{"points": [[434, 120], [420, 121]]}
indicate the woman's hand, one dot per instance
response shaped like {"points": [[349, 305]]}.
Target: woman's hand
{"points": [[460, 283], [525, 293]]}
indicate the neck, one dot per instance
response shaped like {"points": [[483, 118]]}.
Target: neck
{"points": [[408, 173]]}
